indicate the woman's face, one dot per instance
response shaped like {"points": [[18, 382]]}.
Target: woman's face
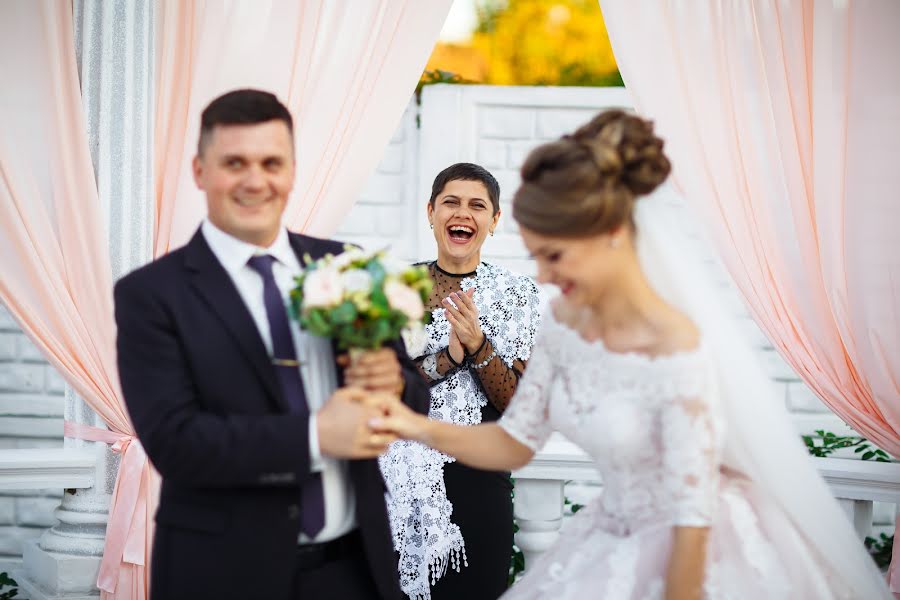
{"points": [[580, 267], [462, 217]]}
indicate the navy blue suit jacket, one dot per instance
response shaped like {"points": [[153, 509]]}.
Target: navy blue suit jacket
{"points": [[205, 402]]}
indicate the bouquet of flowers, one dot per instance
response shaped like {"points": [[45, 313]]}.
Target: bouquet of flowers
{"points": [[360, 299]]}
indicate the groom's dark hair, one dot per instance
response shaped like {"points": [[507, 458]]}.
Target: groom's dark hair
{"points": [[242, 107]]}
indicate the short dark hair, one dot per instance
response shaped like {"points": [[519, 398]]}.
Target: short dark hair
{"points": [[467, 172], [242, 107]]}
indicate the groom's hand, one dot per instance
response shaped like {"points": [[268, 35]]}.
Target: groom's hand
{"points": [[343, 428], [374, 370]]}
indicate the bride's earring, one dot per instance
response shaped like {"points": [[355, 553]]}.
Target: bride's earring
{"points": [[431, 225]]}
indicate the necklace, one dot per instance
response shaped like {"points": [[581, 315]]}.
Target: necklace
{"points": [[449, 274]]}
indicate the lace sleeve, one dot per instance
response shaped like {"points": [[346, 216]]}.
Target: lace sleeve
{"points": [[691, 447], [497, 379], [527, 418]]}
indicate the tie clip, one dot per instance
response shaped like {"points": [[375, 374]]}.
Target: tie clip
{"points": [[286, 362]]}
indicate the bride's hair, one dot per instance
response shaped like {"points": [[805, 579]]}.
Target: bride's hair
{"points": [[586, 183]]}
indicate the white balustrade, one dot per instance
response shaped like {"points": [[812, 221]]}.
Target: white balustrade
{"points": [[47, 468], [539, 500]]}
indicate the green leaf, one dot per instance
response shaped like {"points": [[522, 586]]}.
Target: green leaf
{"points": [[316, 323], [344, 313], [376, 270]]}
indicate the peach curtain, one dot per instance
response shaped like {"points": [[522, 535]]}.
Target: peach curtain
{"points": [[56, 278], [346, 70], [783, 123]]}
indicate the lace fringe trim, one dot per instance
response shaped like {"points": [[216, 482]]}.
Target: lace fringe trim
{"points": [[438, 561]]}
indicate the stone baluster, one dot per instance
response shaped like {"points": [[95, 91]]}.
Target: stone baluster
{"points": [[538, 510], [859, 512]]}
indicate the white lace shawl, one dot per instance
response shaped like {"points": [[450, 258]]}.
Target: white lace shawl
{"points": [[427, 540]]}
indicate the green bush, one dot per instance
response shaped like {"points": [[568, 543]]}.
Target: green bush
{"points": [[824, 443], [7, 581]]}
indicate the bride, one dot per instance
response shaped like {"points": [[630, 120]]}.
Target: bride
{"points": [[707, 491]]}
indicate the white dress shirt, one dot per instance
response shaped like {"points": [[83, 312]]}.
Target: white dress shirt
{"points": [[317, 366]]}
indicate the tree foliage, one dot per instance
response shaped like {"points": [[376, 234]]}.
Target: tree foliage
{"points": [[545, 42], [531, 42]]}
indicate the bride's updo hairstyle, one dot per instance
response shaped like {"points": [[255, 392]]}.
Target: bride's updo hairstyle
{"points": [[586, 183]]}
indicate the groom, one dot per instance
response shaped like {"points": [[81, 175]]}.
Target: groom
{"points": [[270, 484]]}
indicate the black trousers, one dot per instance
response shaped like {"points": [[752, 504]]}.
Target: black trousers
{"points": [[482, 507], [334, 571]]}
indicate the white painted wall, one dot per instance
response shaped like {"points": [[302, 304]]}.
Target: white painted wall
{"points": [[31, 411]]}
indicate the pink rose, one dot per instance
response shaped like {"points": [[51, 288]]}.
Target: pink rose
{"points": [[322, 288], [404, 299]]}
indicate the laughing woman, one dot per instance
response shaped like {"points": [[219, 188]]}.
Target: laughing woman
{"points": [[445, 514]]}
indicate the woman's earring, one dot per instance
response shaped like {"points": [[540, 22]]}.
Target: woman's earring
{"points": [[492, 233], [431, 225]]}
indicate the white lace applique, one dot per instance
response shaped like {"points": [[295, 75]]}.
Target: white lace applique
{"points": [[420, 513], [623, 570], [527, 418], [691, 471]]}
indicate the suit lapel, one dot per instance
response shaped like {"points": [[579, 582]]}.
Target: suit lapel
{"points": [[212, 283], [303, 245]]}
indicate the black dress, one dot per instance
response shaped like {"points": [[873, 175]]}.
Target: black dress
{"points": [[481, 500], [482, 507]]}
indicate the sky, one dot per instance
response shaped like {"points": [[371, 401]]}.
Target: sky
{"points": [[460, 21]]}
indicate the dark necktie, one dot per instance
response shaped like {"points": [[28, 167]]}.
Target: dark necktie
{"points": [[312, 513]]}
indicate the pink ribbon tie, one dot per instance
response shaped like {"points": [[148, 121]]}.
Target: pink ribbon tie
{"points": [[126, 531]]}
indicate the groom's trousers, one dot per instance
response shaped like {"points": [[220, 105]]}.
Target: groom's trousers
{"points": [[334, 570]]}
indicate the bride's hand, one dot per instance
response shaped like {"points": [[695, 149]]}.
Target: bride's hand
{"points": [[399, 420]]}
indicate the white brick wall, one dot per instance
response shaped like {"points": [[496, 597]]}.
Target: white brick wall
{"points": [[31, 410], [387, 206]]}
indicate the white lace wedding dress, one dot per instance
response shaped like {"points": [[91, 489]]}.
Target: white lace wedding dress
{"points": [[657, 438]]}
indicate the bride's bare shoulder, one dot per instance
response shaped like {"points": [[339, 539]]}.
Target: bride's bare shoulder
{"points": [[679, 334]]}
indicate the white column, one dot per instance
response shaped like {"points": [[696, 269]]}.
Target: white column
{"points": [[114, 44], [538, 510], [859, 512]]}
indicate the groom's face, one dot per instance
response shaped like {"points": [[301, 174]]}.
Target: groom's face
{"points": [[247, 172]]}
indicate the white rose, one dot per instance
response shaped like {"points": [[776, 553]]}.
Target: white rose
{"points": [[348, 256], [405, 299], [415, 339], [356, 280], [322, 288], [393, 266]]}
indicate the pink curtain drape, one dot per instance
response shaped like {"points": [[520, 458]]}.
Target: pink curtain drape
{"points": [[334, 63], [782, 120], [346, 70], [56, 277]]}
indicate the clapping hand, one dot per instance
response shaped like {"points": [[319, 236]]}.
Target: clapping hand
{"points": [[464, 324]]}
